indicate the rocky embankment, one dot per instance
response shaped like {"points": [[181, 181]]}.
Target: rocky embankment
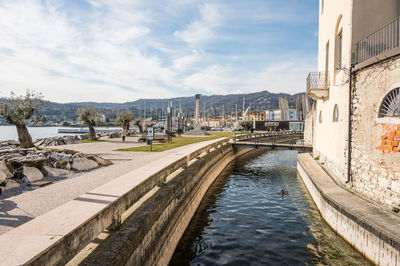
{"points": [[66, 140], [30, 167]]}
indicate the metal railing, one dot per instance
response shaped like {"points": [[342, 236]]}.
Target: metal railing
{"points": [[318, 80], [382, 40]]}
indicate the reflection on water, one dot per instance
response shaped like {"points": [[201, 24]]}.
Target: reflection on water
{"points": [[243, 221]]}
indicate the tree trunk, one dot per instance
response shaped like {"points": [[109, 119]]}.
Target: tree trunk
{"points": [[140, 128], [24, 137], [92, 133]]}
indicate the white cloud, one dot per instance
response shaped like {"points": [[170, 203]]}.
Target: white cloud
{"points": [[200, 31], [123, 50]]}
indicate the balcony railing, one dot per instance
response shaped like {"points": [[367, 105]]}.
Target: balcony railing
{"points": [[318, 80], [318, 85], [382, 40]]}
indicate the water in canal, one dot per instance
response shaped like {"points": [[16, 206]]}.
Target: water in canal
{"points": [[243, 221]]}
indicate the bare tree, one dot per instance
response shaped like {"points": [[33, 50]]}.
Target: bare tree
{"points": [[138, 122], [17, 109], [284, 107], [124, 118], [90, 116]]}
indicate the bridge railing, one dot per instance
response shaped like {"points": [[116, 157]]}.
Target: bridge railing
{"points": [[273, 136]]}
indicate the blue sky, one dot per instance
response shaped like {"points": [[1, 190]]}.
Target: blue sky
{"points": [[120, 50]]}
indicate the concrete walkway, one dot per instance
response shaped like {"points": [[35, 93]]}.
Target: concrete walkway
{"points": [[381, 225], [107, 149], [19, 209]]}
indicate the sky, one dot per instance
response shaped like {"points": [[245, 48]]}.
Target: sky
{"points": [[124, 50]]}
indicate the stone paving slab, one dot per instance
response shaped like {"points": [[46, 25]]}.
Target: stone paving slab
{"points": [[377, 219]]}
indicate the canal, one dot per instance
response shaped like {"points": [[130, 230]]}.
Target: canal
{"points": [[242, 220]]}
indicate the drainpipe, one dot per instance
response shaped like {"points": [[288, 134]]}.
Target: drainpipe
{"points": [[349, 177]]}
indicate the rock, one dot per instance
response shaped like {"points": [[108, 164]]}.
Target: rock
{"points": [[13, 142], [71, 140], [39, 142], [114, 135], [32, 174], [59, 156], [83, 137], [83, 164], [11, 183], [29, 160], [62, 165], [54, 172], [99, 160], [41, 183], [3, 177], [67, 151], [5, 168]]}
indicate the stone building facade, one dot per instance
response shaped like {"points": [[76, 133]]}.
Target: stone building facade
{"points": [[375, 157]]}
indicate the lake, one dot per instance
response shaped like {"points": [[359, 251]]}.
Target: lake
{"points": [[10, 132]]}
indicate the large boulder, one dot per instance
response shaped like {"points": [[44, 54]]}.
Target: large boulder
{"points": [[71, 140], [54, 172], [32, 174], [3, 177], [6, 169], [99, 160], [83, 164], [60, 156], [83, 137], [114, 135], [29, 160], [13, 142], [62, 165], [11, 183]]}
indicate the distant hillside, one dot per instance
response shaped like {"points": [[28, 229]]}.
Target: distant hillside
{"points": [[214, 104]]}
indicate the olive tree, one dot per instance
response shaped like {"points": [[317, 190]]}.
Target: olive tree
{"points": [[246, 124], [90, 116], [124, 118], [17, 109], [139, 123]]}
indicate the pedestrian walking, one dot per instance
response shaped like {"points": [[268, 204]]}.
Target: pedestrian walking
{"points": [[123, 134]]}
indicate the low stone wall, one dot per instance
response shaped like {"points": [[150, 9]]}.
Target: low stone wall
{"points": [[150, 235], [368, 228]]}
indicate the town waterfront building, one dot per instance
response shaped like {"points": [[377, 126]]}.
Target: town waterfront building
{"points": [[357, 97]]}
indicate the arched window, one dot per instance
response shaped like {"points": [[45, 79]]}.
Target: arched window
{"points": [[338, 44], [390, 106], [335, 113], [320, 116]]}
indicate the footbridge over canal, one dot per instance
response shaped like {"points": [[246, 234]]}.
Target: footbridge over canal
{"points": [[280, 140]]}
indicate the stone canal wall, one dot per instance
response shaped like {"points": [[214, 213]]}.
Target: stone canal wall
{"points": [[370, 229], [152, 232]]}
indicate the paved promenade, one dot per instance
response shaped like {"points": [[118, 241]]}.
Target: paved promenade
{"points": [[107, 149], [19, 209]]}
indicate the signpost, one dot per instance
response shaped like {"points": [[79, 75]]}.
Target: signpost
{"points": [[150, 136]]}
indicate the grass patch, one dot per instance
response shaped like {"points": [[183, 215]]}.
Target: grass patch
{"points": [[90, 141], [178, 142], [43, 148]]}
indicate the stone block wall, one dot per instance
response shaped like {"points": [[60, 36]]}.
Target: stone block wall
{"points": [[375, 163]]}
